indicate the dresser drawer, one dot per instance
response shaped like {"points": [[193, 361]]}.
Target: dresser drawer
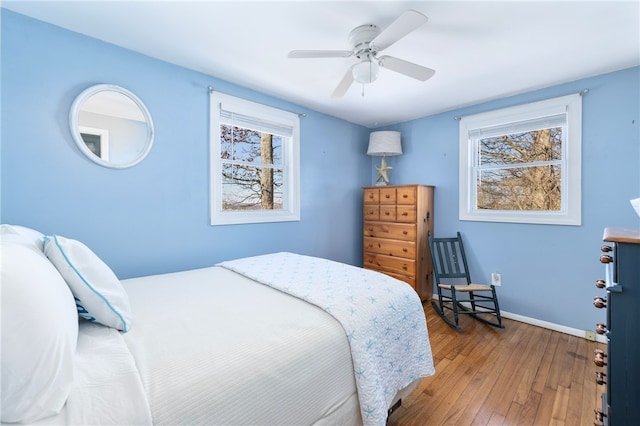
{"points": [[388, 213], [371, 196], [387, 195], [394, 231], [406, 213], [384, 263], [406, 278], [406, 249], [371, 212], [406, 195]]}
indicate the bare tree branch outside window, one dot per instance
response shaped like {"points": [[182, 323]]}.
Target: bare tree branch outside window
{"points": [[252, 169], [521, 171]]}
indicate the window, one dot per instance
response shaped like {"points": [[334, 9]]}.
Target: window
{"points": [[255, 169], [523, 164]]}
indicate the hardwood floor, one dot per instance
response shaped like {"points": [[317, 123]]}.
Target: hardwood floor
{"points": [[521, 375]]}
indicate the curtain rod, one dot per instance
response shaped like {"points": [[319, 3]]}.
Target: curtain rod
{"points": [[581, 93], [299, 114]]}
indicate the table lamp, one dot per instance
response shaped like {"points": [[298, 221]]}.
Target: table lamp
{"points": [[383, 144]]}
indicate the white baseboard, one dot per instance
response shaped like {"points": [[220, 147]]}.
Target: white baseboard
{"points": [[551, 326]]}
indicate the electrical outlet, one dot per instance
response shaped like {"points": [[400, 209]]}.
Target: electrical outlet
{"points": [[590, 335], [496, 279]]}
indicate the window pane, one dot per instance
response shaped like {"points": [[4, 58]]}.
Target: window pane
{"points": [[518, 148], [520, 189], [250, 146], [251, 188]]}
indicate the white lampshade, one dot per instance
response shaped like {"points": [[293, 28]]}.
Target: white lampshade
{"points": [[365, 72], [384, 143]]}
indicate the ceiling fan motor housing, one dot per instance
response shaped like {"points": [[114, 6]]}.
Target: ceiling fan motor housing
{"points": [[360, 39]]}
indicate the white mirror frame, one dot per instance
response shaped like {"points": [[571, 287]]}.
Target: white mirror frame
{"points": [[74, 124]]}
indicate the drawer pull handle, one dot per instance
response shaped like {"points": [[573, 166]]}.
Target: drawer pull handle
{"points": [[599, 420], [605, 258], [599, 358], [404, 232], [404, 249], [599, 302], [601, 328], [405, 214], [606, 249], [601, 378], [386, 213], [404, 267], [601, 283], [387, 196]]}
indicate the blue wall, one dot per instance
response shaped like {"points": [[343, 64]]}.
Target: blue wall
{"points": [[548, 272], [154, 217]]}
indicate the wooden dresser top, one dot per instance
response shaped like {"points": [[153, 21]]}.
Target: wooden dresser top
{"points": [[622, 235]]}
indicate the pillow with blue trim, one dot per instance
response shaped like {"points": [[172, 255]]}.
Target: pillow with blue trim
{"points": [[99, 294]]}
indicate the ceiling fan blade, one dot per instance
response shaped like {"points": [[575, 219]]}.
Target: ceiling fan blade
{"points": [[344, 84], [405, 67], [406, 23], [320, 53]]}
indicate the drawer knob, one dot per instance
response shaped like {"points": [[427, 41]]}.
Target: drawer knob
{"points": [[601, 283], [605, 258], [599, 420], [606, 249], [601, 378], [404, 232], [599, 358], [405, 214], [599, 302], [387, 196], [601, 328], [404, 267], [386, 213]]}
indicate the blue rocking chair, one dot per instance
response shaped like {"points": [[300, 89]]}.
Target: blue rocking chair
{"points": [[451, 275]]}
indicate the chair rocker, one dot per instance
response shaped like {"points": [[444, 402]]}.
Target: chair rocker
{"points": [[451, 275]]}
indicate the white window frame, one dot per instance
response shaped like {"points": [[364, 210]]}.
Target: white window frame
{"points": [[291, 162], [571, 167]]}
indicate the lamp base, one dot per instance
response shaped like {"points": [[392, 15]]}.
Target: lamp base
{"points": [[381, 183]]}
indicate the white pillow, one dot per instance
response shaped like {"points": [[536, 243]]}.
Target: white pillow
{"points": [[39, 333], [99, 294], [22, 234]]}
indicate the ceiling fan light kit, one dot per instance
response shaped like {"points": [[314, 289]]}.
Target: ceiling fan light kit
{"points": [[365, 72], [366, 41]]}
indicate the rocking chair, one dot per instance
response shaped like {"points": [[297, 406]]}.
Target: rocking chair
{"points": [[450, 264]]}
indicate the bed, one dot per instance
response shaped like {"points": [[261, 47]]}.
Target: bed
{"points": [[278, 339]]}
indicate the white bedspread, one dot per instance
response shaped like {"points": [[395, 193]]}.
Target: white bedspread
{"points": [[382, 317], [216, 348], [107, 389]]}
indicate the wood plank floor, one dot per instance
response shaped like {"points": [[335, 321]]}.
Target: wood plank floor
{"points": [[521, 375]]}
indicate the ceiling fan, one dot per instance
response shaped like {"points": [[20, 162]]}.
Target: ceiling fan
{"points": [[366, 42]]}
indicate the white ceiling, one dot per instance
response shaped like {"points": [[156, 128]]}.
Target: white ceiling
{"points": [[481, 50]]}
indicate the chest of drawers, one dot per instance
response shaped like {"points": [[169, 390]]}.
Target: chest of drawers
{"points": [[396, 222], [618, 367]]}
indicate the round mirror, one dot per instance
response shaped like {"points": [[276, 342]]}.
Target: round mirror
{"points": [[111, 126]]}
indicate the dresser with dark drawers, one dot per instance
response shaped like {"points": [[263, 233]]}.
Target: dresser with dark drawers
{"points": [[618, 366]]}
